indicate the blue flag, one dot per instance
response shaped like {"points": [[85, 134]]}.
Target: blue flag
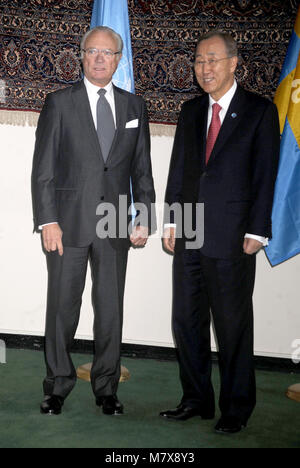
{"points": [[114, 14], [286, 209]]}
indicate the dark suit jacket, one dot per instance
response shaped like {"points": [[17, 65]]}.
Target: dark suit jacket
{"points": [[70, 178], [237, 185]]}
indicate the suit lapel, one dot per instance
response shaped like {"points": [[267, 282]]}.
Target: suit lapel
{"points": [[233, 117], [201, 129], [83, 109], [195, 133], [121, 103]]}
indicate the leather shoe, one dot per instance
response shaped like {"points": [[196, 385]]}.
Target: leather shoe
{"points": [[110, 405], [229, 425], [183, 412], [52, 405]]}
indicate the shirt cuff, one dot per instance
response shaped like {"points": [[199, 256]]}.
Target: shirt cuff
{"points": [[263, 240], [48, 224]]}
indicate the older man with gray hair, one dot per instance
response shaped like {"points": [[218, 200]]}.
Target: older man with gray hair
{"points": [[225, 157], [92, 145]]}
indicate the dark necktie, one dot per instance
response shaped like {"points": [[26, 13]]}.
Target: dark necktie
{"points": [[105, 124], [213, 130]]}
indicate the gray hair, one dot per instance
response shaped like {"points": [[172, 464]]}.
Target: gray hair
{"points": [[106, 29], [230, 43]]}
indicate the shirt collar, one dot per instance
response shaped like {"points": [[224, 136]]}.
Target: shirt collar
{"points": [[225, 100], [93, 89]]}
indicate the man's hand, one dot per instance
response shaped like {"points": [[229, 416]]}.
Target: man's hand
{"points": [[139, 236], [52, 238], [169, 239], [252, 246]]}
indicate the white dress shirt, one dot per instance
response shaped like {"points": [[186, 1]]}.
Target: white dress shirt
{"points": [[225, 102], [92, 92]]}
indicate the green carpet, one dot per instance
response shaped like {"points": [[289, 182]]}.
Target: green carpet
{"points": [[153, 387]]}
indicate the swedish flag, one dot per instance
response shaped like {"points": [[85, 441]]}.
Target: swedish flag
{"points": [[286, 209]]}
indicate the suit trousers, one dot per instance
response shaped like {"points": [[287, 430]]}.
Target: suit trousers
{"points": [[66, 282], [223, 288]]}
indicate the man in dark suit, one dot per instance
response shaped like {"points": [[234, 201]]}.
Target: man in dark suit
{"points": [[92, 143], [225, 156]]}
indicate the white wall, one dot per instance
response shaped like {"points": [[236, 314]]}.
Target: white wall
{"points": [[148, 289]]}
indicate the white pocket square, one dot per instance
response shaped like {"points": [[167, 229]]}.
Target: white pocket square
{"points": [[132, 124]]}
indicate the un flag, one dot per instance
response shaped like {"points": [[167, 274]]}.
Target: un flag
{"points": [[114, 14]]}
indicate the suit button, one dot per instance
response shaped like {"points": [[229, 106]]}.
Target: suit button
{"points": [[102, 198], [105, 169]]}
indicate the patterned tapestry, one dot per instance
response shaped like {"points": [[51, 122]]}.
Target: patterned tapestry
{"points": [[39, 48]]}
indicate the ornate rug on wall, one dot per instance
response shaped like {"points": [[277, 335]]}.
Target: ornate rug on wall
{"points": [[39, 49]]}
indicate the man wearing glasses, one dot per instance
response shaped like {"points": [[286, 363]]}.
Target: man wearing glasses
{"points": [[225, 156], [92, 145]]}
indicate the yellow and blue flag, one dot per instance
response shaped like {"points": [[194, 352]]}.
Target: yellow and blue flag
{"points": [[114, 14], [286, 209]]}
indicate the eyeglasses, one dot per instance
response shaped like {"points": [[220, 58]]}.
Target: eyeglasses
{"points": [[212, 62], [92, 52]]}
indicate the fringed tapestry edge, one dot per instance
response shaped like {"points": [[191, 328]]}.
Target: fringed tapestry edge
{"points": [[21, 118]]}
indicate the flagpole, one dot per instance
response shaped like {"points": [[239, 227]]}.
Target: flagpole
{"points": [[84, 373], [293, 392]]}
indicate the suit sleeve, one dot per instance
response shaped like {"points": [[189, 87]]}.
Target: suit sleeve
{"points": [[141, 174], [44, 162], [175, 178], [266, 149]]}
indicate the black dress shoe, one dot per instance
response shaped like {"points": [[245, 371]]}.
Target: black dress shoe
{"points": [[52, 405], [229, 425], [183, 412], [110, 405]]}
